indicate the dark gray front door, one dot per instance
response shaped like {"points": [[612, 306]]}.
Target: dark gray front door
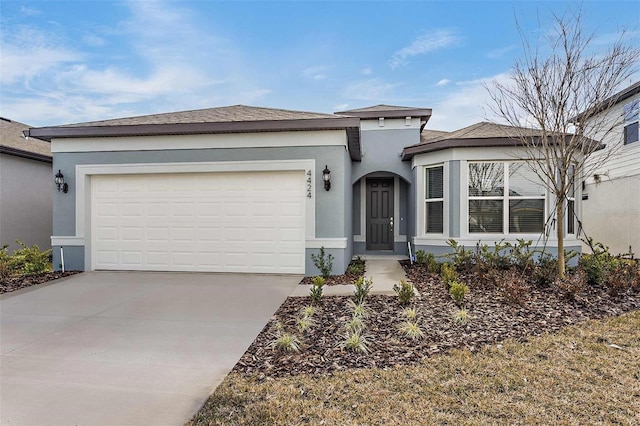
{"points": [[379, 214]]}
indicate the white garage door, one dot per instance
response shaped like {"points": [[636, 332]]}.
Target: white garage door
{"points": [[213, 222]]}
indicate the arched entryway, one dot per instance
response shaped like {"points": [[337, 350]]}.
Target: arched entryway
{"points": [[382, 214]]}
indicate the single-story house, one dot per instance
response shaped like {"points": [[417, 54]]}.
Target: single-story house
{"points": [[612, 200], [26, 185], [248, 189]]}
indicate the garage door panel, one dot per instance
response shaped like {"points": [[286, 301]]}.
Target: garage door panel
{"points": [[226, 222]]}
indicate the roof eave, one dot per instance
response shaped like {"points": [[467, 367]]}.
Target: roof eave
{"points": [[25, 154], [48, 133], [423, 113]]}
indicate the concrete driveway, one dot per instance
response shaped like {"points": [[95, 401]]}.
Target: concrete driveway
{"points": [[122, 348]]}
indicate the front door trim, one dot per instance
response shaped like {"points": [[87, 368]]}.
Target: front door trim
{"points": [[380, 213]]}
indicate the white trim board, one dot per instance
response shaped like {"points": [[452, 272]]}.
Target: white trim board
{"points": [[217, 141], [85, 171]]}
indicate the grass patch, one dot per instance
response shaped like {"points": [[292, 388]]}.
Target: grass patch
{"points": [[572, 377]]}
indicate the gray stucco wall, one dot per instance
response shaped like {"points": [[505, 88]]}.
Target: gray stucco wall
{"points": [[333, 208], [26, 190], [381, 150]]}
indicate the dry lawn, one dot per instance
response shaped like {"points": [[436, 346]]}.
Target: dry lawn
{"points": [[574, 377]]}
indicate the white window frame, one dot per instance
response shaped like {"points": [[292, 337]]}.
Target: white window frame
{"points": [[426, 200], [505, 198], [631, 113]]}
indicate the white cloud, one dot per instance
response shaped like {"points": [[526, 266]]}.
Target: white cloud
{"points": [[29, 11], [466, 104], [500, 52], [366, 71], [428, 42], [317, 72], [443, 82], [373, 89], [341, 107], [29, 52], [173, 62], [94, 40]]}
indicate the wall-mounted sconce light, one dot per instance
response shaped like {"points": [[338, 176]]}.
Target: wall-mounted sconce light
{"points": [[326, 177], [60, 183]]}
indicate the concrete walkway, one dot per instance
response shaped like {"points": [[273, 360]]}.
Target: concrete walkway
{"points": [[384, 270]]}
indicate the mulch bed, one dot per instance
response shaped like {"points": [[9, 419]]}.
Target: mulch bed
{"points": [[346, 278], [492, 320], [16, 283]]}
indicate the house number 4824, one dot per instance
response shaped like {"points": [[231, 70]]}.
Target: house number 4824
{"points": [[308, 183]]}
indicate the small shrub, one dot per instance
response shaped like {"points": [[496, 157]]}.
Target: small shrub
{"points": [[404, 291], [458, 291], [308, 311], [621, 275], [283, 341], [356, 342], [427, 259], [593, 267], [315, 292], [363, 287], [411, 330], [461, 257], [324, 262], [410, 313], [460, 316], [522, 255], [513, 287], [6, 268], [545, 271], [356, 267], [360, 310], [448, 274], [572, 285], [286, 342], [305, 323], [30, 260], [355, 325]]}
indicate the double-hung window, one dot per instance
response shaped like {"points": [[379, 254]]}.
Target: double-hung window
{"points": [[434, 200], [631, 117], [505, 197]]}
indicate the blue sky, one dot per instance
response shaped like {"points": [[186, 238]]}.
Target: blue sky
{"points": [[73, 61]]}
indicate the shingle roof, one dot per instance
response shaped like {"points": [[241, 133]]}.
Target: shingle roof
{"points": [[378, 108], [431, 135], [622, 95], [491, 130], [481, 134], [228, 114], [230, 119], [13, 142], [388, 111]]}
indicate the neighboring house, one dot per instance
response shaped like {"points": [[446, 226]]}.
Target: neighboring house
{"points": [[247, 189], [26, 181], [612, 192]]}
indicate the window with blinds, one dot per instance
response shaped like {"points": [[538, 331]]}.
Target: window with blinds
{"points": [[434, 200], [505, 197]]}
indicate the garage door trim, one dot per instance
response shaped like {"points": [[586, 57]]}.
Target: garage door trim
{"points": [[84, 173]]}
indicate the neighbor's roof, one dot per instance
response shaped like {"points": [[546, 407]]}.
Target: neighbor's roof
{"points": [[622, 95], [13, 142], [388, 111], [481, 134]]}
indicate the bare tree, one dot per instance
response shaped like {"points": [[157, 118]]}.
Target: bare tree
{"points": [[560, 87]]}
